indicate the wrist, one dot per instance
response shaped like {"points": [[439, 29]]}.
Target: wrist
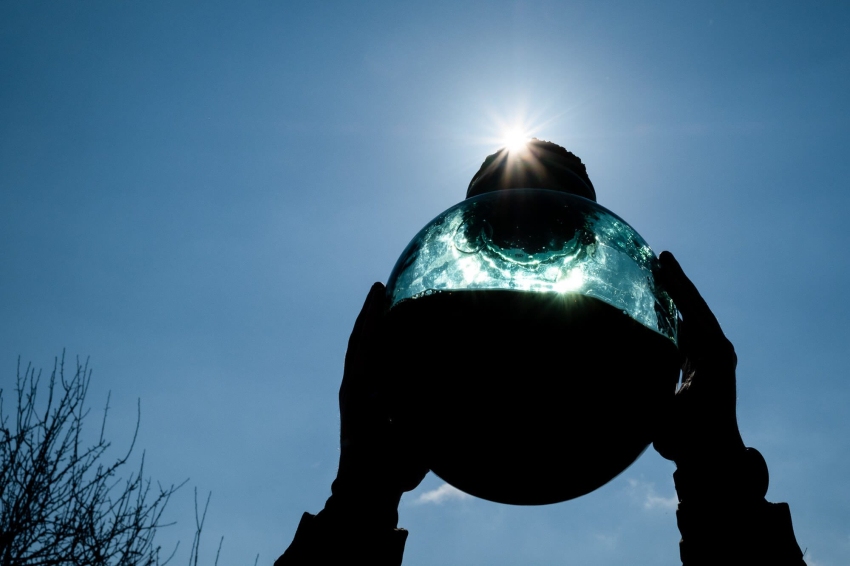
{"points": [[716, 445], [362, 492], [737, 474]]}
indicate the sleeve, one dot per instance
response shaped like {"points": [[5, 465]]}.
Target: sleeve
{"points": [[329, 539], [758, 533], [724, 518]]}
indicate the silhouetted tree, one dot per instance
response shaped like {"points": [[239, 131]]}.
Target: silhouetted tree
{"points": [[61, 500]]}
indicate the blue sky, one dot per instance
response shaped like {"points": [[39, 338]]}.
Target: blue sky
{"points": [[198, 197]]}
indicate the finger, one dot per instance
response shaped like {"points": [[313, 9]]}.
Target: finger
{"points": [[684, 293], [374, 313], [362, 334], [365, 315]]}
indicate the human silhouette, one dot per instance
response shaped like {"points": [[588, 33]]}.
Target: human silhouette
{"points": [[721, 484]]}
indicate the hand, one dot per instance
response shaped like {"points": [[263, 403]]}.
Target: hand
{"points": [[702, 424], [376, 464]]}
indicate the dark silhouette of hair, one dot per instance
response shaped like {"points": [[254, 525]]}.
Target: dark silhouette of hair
{"points": [[538, 165]]}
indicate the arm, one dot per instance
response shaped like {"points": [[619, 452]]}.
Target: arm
{"points": [[359, 521], [723, 515]]}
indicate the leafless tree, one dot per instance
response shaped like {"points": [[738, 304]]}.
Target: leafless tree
{"points": [[62, 501]]}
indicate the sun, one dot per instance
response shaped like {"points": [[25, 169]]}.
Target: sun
{"points": [[515, 139]]}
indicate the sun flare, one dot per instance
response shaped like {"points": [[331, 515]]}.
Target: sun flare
{"points": [[515, 139]]}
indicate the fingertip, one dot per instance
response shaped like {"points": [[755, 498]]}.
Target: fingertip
{"points": [[376, 302], [378, 288], [667, 259], [672, 272], [376, 292]]}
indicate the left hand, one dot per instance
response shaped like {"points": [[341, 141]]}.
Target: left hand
{"points": [[374, 459]]}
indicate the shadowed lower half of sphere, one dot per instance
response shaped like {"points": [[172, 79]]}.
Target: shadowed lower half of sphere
{"points": [[526, 398]]}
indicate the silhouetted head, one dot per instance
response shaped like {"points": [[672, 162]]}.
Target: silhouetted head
{"points": [[538, 165]]}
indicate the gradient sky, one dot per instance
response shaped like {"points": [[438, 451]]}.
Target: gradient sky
{"points": [[199, 195]]}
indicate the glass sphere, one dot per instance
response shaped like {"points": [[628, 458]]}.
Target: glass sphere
{"points": [[531, 348]]}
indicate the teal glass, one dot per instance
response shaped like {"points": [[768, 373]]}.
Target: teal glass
{"points": [[584, 249]]}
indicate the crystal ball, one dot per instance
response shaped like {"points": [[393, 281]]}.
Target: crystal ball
{"points": [[531, 350]]}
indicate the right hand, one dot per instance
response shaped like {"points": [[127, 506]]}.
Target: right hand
{"points": [[702, 424]]}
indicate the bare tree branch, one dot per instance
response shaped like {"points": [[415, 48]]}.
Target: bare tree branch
{"points": [[61, 503]]}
